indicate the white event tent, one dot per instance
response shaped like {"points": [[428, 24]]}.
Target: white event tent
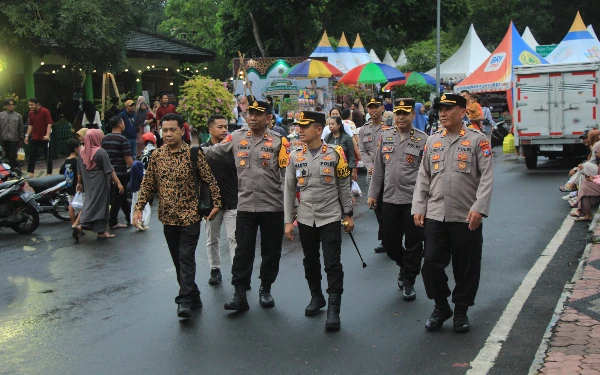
{"points": [[591, 30], [471, 54], [374, 57], [529, 38], [402, 59], [388, 59]]}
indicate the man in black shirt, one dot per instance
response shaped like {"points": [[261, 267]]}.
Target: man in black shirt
{"points": [[112, 112], [225, 173], [119, 152]]}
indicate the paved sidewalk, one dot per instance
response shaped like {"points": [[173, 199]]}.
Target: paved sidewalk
{"points": [[572, 345]]}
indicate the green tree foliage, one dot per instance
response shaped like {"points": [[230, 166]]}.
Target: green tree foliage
{"points": [[90, 34], [267, 28], [421, 55], [549, 20]]}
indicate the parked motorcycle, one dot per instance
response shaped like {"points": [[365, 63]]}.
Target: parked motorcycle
{"points": [[18, 208], [51, 195]]}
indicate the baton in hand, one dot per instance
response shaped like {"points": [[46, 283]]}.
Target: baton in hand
{"points": [[355, 246]]}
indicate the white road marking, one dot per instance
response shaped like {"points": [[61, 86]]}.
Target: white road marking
{"points": [[487, 355]]}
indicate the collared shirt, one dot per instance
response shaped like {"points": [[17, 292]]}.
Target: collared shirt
{"points": [[171, 173], [39, 121], [11, 126], [163, 110], [324, 181], [260, 163], [455, 177], [117, 147], [368, 136], [225, 173], [397, 165]]}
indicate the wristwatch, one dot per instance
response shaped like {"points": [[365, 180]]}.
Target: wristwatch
{"points": [[349, 213]]}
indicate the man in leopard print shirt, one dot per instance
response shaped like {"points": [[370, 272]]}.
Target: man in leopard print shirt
{"points": [[170, 172]]}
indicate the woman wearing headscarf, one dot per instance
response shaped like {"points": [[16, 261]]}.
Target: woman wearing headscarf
{"points": [[95, 172], [421, 119], [589, 191]]}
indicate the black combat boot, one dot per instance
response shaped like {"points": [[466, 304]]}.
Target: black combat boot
{"points": [[239, 302], [264, 296], [440, 314], [461, 320], [333, 312], [409, 293], [317, 301], [380, 248]]}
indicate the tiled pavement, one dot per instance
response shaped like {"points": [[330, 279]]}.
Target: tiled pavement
{"points": [[574, 343]]}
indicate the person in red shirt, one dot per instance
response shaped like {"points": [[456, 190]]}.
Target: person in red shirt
{"points": [[38, 134], [164, 108]]}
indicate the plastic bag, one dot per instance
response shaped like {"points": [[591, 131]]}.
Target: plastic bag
{"points": [[21, 154], [356, 189], [508, 145], [77, 202]]}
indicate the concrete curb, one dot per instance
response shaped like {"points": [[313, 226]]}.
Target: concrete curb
{"points": [[540, 355]]}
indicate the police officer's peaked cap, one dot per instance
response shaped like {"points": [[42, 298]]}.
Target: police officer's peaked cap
{"points": [[260, 106], [374, 100], [404, 105], [307, 118], [450, 100]]}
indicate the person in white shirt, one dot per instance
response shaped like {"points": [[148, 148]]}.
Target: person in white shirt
{"points": [[335, 111]]}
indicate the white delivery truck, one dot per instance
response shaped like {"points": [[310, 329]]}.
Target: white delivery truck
{"points": [[553, 105]]}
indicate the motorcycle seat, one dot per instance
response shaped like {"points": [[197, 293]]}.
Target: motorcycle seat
{"points": [[41, 184], [8, 184]]}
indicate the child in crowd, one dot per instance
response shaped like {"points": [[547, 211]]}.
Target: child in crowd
{"points": [[137, 174], [69, 170]]}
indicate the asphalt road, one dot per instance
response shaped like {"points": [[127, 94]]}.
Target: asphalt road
{"points": [[108, 307]]}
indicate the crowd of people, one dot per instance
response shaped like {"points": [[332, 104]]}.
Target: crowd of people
{"points": [[280, 175], [259, 180]]}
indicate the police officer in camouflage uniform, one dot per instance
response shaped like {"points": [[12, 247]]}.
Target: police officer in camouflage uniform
{"points": [[452, 194], [322, 174], [396, 167], [368, 137], [261, 156]]}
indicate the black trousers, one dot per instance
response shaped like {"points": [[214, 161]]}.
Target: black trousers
{"points": [[311, 238], [379, 215], [34, 148], [271, 233], [119, 202], [445, 242], [399, 223], [11, 148], [182, 242]]}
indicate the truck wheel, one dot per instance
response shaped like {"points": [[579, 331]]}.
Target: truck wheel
{"points": [[531, 161]]}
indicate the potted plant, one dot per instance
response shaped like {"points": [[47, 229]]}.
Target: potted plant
{"points": [[202, 97]]}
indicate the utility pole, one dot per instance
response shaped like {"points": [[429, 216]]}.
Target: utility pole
{"points": [[437, 56]]}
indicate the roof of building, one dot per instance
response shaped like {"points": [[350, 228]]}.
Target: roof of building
{"points": [[144, 42]]}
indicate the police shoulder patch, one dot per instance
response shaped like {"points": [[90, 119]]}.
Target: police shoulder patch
{"points": [[227, 139], [342, 170]]}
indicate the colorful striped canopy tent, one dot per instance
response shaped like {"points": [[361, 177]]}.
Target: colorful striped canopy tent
{"points": [[577, 46]]}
